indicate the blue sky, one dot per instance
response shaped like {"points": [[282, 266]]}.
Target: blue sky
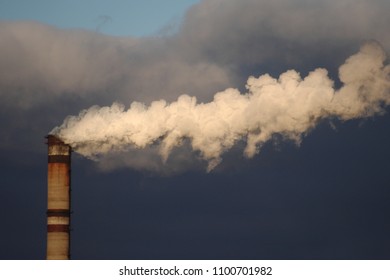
{"points": [[118, 17]]}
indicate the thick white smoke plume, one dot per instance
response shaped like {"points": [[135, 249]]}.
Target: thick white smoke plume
{"points": [[289, 106]]}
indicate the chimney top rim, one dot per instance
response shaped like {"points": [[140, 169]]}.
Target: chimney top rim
{"points": [[54, 140]]}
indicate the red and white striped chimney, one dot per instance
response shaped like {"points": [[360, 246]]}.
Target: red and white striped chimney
{"points": [[58, 203]]}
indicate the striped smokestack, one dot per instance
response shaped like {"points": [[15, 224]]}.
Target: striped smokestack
{"points": [[58, 203]]}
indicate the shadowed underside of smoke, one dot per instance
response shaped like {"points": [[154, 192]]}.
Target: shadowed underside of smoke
{"points": [[289, 106]]}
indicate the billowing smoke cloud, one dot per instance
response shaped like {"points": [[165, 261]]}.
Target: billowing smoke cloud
{"points": [[289, 106], [47, 73]]}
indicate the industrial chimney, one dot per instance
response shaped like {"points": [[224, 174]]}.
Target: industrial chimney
{"points": [[58, 203]]}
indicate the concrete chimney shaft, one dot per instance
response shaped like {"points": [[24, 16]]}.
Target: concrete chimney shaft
{"points": [[58, 203]]}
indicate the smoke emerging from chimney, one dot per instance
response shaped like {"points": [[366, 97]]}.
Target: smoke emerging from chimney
{"points": [[289, 106]]}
